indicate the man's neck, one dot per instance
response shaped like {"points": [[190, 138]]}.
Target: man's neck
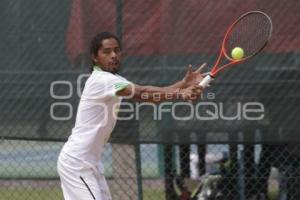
{"points": [[97, 68]]}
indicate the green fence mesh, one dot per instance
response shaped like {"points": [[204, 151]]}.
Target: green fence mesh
{"points": [[219, 142]]}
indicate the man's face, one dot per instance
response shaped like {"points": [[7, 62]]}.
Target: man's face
{"points": [[109, 55]]}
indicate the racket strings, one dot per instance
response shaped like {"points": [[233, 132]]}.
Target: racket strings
{"points": [[251, 33]]}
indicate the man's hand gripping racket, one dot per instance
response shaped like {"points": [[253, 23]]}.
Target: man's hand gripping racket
{"points": [[244, 39]]}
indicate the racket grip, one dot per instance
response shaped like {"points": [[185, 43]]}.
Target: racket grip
{"points": [[206, 81]]}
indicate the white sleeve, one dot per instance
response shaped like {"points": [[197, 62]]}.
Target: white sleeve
{"points": [[104, 85], [116, 84]]}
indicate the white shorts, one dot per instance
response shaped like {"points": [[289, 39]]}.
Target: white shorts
{"points": [[81, 183]]}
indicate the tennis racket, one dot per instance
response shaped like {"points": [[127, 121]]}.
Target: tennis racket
{"points": [[250, 34]]}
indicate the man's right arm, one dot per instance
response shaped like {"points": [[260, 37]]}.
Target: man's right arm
{"points": [[186, 89], [155, 94]]}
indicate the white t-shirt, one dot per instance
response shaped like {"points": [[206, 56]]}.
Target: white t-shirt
{"points": [[96, 118]]}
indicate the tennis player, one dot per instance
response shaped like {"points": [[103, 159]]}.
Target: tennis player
{"points": [[79, 165]]}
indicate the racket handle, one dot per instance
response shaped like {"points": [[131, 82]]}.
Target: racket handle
{"points": [[206, 81]]}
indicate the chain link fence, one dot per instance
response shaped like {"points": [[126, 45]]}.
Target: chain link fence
{"points": [[208, 171], [240, 142]]}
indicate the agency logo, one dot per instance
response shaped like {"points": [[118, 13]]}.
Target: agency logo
{"points": [[205, 109], [62, 98]]}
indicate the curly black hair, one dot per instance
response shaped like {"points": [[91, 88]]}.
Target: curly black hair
{"points": [[96, 43]]}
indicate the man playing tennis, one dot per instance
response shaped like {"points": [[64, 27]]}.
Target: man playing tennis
{"points": [[79, 165]]}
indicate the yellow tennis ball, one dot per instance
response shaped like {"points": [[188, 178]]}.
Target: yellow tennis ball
{"points": [[237, 53]]}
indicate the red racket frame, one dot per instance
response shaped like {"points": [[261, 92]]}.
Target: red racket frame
{"points": [[216, 68]]}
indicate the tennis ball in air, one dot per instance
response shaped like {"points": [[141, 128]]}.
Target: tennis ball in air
{"points": [[237, 53]]}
